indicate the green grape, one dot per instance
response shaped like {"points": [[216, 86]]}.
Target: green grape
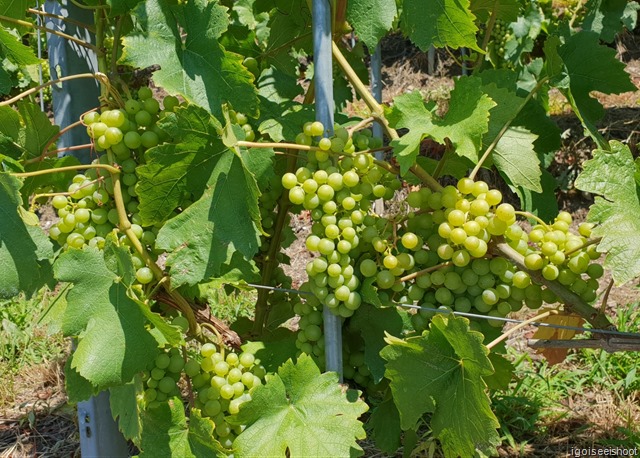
{"points": [[144, 275]]}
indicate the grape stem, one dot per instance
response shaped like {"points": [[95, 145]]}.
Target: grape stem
{"points": [[422, 272], [101, 77], [511, 331], [87, 7], [534, 217], [506, 126], [593, 241], [53, 194], [488, 31], [262, 305], [569, 298], [192, 401], [35, 173], [365, 122], [51, 31]]}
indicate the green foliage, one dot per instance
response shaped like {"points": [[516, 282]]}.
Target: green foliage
{"points": [[442, 373], [439, 23], [107, 321], [198, 54], [612, 176], [12, 50], [371, 19], [296, 410], [24, 249]]}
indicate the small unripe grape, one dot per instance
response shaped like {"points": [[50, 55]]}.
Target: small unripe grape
{"points": [[144, 275]]}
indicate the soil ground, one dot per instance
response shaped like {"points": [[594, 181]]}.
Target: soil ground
{"points": [[38, 422]]}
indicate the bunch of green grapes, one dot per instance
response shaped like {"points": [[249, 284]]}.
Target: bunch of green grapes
{"points": [[161, 381], [499, 36], [223, 383], [338, 197], [87, 211], [559, 254]]}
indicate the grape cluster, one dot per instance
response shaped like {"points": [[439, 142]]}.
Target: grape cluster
{"points": [[87, 210], [339, 198], [500, 35], [223, 383], [161, 381], [562, 255], [310, 334]]}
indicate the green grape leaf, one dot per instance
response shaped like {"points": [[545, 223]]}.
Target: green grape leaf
{"points": [[289, 28], [126, 409], [607, 17], [6, 84], [505, 10], [441, 23], [371, 19], [274, 349], [370, 293], [77, 387], [37, 131], [467, 119], [514, 154], [113, 340], [10, 122], [24, 249], [372, 324], [185, 166], [463, 125], [591, 67], [442, 373], [611, 175], [544, 205], [225, 219], [296, 411], [13, 49], [166, 432], [182, 39], [120, 7], [384, 424]]}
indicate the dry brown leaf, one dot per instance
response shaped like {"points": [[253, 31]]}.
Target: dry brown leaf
{"points": [[557, 355]]}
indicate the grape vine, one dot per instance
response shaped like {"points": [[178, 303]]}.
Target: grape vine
{"points": [[204, 145]]}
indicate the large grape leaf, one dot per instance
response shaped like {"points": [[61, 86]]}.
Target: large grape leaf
{"points": [[166, 433], [588, 67], [24, 249], [384, 424], [613, 177], [114, 342], [463, 125], [182, 39], [608, 17], [301, 413], [225, 219], [441, 373], [439, 23], [372, 323], [371, 19], [120, 7], [77, 387], [15, 52]]}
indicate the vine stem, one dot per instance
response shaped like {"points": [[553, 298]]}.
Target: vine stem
{"points": [[246, 144], [539, 317], [262, 306], [506, 126], [90, 28], [360, 125], [593, 241], [569, 298], [87, 7], [489, 30], [59, 150], [101, 77], [51, 31], [423, 272], [109, 168], [534, 217], [45, 153]]}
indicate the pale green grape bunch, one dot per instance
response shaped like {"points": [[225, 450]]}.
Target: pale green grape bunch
{"points": [[499, 36], [161, 380], [223, 383], [563, 255], [339, 197]]}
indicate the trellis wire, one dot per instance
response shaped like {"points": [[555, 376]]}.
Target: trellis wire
{"points": [[471, 315]]}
